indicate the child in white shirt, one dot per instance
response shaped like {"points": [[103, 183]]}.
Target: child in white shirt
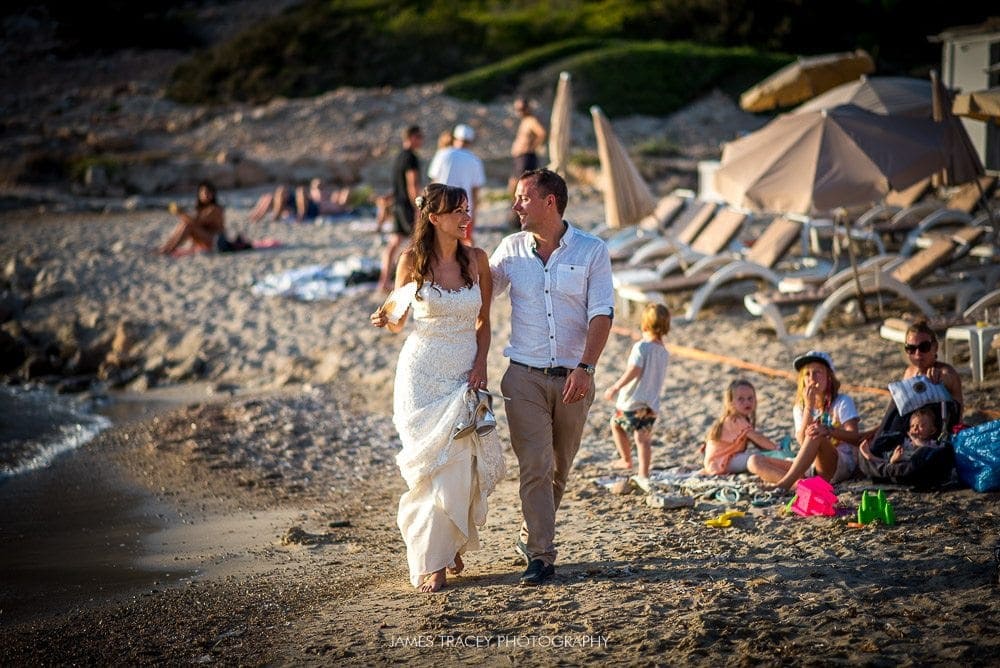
{"points": [[638, 390]]}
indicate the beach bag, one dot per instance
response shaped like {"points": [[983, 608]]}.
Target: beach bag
{"points": [[977, 456]]}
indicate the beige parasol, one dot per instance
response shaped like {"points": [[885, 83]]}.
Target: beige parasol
{"points": [[890, 96], [820, 161], [982, 105], [560, 124], [963, 163], [627, 198], [807, 77]]}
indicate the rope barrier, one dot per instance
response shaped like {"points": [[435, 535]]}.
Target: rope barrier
{"points": [[715, 358]]}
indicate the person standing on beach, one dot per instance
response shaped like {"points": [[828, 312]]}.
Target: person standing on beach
{"points": [[444, 147], [405, 188], [463, 168], [638, 393], [528, 138], [203, 228], [562, 304], [449, 474]]}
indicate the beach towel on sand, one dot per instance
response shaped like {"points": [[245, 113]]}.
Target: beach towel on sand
{"points": [[241, 244], [320, 282]]}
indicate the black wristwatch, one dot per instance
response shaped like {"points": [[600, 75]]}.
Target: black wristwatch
{"points": [[589, 368]]}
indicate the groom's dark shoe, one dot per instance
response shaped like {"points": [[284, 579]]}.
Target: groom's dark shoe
{"points": [[537, 573], [522, 550]]}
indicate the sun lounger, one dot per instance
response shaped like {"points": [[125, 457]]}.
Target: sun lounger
{"points": [[684, 231], [899, 276], [894, 329], [718, 234], [710, 275], [622, 243], [899, 223]]}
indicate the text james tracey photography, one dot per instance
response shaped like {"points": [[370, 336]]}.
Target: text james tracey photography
{"points": [[499, 641]]}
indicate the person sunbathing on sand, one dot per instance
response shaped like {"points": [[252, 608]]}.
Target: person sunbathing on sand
{"points": [[203, 228], [305, 203]]}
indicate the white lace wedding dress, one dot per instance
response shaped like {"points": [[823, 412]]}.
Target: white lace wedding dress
{"points": [[448, 479]]}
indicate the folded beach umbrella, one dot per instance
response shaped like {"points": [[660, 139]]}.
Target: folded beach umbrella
{"points": [[963, 163], [819, 161], [807, 77], [982, 105], [559, 125], [892, 96], [627, 198]]}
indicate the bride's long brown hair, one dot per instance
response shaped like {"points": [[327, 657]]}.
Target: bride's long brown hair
{"points": [[437, 198]]}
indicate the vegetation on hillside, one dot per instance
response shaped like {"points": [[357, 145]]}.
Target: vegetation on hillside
{"points": [[648, 55], [623, 77]]}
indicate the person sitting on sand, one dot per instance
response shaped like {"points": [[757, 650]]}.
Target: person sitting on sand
{"points": [[727, 439], [638, 390], [322, 202], [921, 348], [925, 427], [279, 203], [203, 228], [305, 203], [826, 426]]}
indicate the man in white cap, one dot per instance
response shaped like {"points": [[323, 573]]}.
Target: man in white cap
{"points": [[462, 168]]}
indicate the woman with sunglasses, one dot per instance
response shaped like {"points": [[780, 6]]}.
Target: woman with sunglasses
{"points": [[921, 347]]}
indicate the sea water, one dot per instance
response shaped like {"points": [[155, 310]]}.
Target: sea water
{"points": [[37, 425]]}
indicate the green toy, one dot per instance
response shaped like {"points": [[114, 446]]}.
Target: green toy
{"points": [[875, 507]]}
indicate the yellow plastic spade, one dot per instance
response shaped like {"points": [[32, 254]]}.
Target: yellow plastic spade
{"points": [[725, 519]]}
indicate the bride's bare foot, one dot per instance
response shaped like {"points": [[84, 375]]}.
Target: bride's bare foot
{"points": [[458, 567], [432, 582], [622, 465]]}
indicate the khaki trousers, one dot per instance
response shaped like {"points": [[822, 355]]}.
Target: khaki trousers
{"points": [[545, 435]]}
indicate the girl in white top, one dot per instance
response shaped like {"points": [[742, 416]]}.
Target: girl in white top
{"points": [[638, 391], [826, 424]]}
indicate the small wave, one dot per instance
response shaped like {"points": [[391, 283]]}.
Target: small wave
{"points": [[37, 425]]}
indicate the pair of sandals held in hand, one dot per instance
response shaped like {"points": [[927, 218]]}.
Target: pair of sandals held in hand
{"points": [[478, 417]]}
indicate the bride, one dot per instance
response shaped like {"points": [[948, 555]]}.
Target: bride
{"points": [[448, 287]]}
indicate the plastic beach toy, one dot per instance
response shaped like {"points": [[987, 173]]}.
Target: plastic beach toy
{"points": [[725, 519], [875, 507], [814, 496]]}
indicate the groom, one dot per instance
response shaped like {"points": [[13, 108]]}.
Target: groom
{"points": [[562, 303]]}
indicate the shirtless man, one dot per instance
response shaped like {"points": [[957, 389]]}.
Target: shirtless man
{"points": [[529, 137]]}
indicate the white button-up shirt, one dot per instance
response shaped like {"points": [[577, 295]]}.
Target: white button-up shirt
{"points": [[552, 303]]}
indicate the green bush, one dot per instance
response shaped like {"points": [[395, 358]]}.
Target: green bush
{"points": [[653, 78], [671, 49]]}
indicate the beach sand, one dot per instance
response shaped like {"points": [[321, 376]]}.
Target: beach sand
{"points": [[249, 517]]}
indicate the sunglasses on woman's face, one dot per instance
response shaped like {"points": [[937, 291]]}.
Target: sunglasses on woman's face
{"points": [[923, 346]]}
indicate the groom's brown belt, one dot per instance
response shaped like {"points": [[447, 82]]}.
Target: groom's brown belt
{"points": [[548, 371]]}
